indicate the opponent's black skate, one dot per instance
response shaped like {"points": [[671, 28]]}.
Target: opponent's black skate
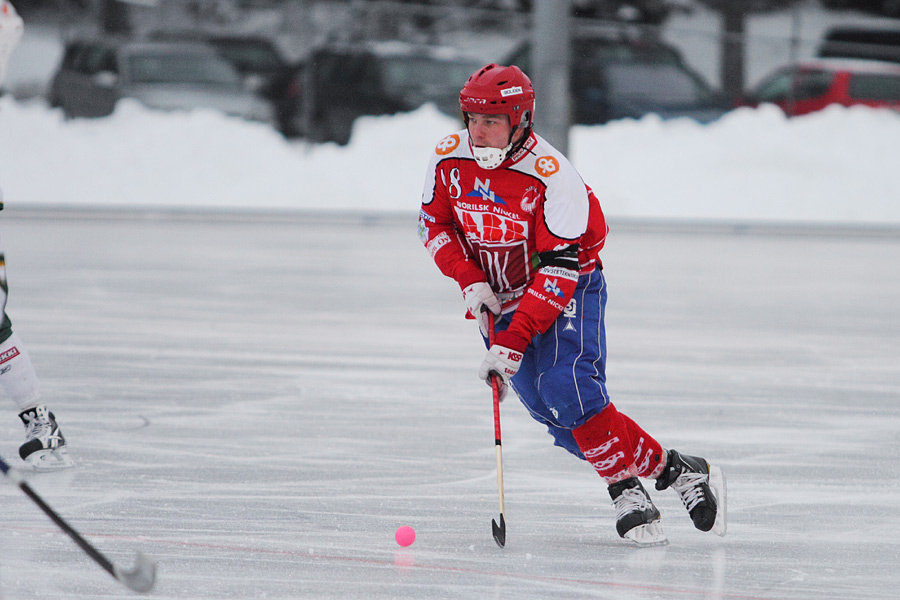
{"points": [[45, 447], [701, 487], [637, 519]]}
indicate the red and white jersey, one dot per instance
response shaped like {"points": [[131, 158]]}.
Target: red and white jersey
{"points": [[510, 226]]}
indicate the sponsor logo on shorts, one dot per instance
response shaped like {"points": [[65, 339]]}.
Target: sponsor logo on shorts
{"points": [[570, 312]]}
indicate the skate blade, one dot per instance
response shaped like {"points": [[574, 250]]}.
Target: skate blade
{"points": [[648, 535], [717, 484], [50, 460]]}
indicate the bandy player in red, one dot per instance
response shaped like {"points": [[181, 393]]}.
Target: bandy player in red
{"points": [[509, 218]]}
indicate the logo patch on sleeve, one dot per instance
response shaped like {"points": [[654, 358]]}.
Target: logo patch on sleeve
{"points": [[546, 165], [551, 286], [441, 240], [447, 145]]}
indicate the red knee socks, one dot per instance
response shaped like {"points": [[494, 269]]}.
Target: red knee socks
{"points": [[649, 456], [618, 448]]}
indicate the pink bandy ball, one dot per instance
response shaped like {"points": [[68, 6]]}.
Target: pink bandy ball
{"points": [[405, 535]]}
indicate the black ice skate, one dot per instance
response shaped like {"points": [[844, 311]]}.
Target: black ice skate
{"points": [[701, 487], [636, 517], [45, 447]]}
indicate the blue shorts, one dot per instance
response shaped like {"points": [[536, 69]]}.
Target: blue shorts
{"points": [[562, 380]]}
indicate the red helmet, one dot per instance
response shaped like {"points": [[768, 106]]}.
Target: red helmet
{"points": [[498, 90]]}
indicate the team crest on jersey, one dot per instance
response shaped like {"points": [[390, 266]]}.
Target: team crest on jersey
{"points": [[546, 165], [530, 199], [483, 190], [447, 145]]}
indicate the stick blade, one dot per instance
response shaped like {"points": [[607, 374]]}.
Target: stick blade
{"points": [[499, 531], [142, 577]]}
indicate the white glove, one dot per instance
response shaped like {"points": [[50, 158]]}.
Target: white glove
{"points": [[477, 295], [501, 362]]}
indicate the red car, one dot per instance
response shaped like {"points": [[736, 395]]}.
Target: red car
{"points": [[807, 86]]}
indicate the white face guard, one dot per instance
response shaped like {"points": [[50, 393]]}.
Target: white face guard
{"points": [[490, 158]]}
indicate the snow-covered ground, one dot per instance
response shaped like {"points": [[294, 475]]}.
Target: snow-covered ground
{"points": [[834, 167]]}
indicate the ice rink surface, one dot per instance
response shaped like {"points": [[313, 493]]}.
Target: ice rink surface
{"points": [[258, 402]]}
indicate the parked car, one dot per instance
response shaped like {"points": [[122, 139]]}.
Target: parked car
{"points": [[424, 74], [807, 86], [889, 8], [650, 12], [261, 65], [342, 83], [876, 43], [95, 74], [616, 77]]}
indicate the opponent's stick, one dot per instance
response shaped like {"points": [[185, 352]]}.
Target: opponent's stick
{"points": [[139, 579]]}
